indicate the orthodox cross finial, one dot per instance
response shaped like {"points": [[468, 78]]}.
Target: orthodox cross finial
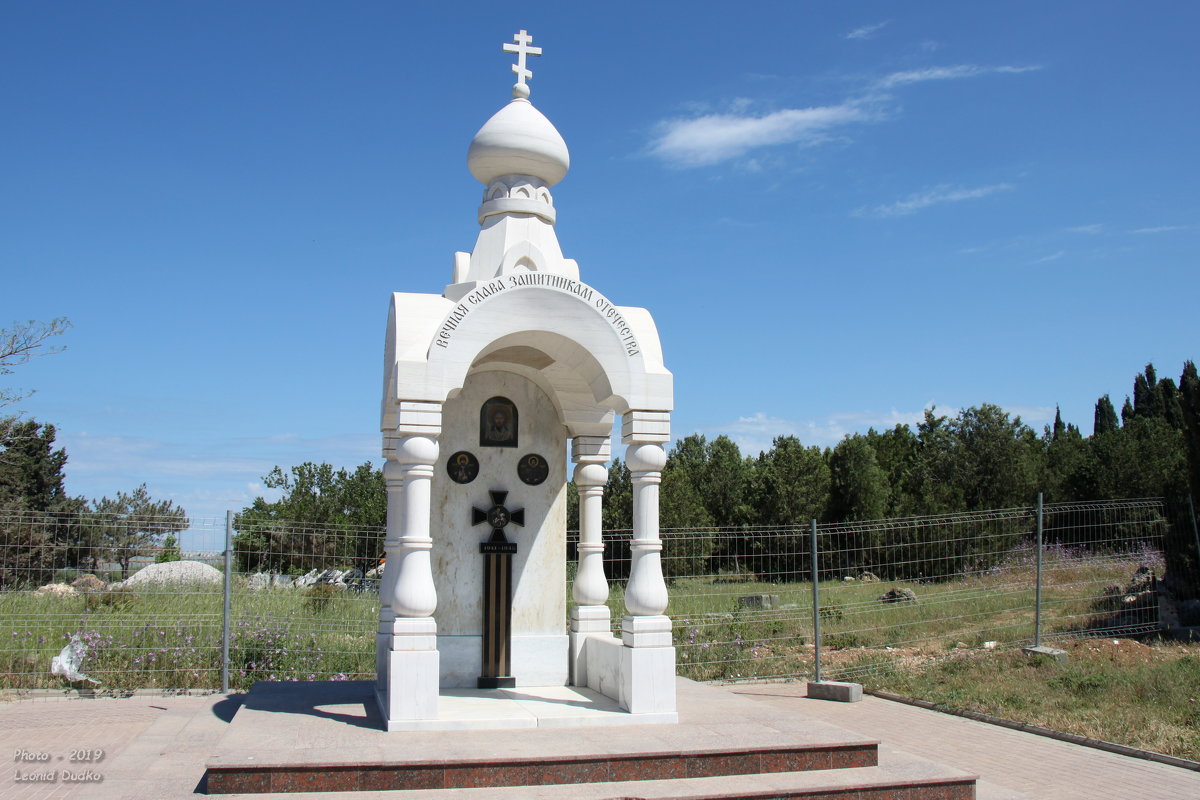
{"points": [[522, 48]]}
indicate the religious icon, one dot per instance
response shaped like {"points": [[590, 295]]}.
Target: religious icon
{"points": [[462, 467], [532, 469], [498, 423]]}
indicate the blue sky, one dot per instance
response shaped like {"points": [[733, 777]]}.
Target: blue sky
{"points": [[838, 214]]}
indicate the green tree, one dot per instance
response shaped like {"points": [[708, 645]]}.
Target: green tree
{"points": [[1146, 457], [169, 551], [933, 488], [39, 522], [688, 538], [1106, 417], [896, 455], [1065, 452], [324, 515], [134, 524], [792, 483], [993, 458], [725, 483], [858, 485], [617, 514], [1147, 399], [617, 519], [790, 487], [1127, 412], [31, 470]]}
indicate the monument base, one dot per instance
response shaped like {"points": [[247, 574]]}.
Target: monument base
{"points": [[324, 736]]}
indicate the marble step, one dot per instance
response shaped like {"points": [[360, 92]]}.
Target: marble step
{"points": [[535, 770], [909, 781]]}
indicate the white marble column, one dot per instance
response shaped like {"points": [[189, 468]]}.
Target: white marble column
{"points": [[408, 656], [646, 591], [590, 615], [648, 657], [393, 480]]}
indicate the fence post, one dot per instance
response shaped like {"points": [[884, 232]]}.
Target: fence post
{"points": [[1037, 597], [225, 616], [816, 600]]}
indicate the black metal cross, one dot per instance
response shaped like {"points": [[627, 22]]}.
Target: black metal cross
{"points": [[497, 592], [498, 516]]}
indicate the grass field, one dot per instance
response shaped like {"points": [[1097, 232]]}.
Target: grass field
{"points": [[171, 638], [1145, 695], [720, 639]]}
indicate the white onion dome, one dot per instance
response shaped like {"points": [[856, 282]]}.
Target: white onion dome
{"points": [[518, 140]]}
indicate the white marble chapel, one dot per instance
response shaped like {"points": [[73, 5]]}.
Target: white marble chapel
{"points": [[485, 386]]}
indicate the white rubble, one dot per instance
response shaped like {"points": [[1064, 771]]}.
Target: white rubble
{"points": [[174, 572]]}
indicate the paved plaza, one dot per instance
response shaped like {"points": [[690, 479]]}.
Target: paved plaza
{"points": [[156, 747]]}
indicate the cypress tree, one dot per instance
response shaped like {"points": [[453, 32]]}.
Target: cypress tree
{"points": [[1127, 412], [1172, 410], [1147, 395], [1106, 417]]}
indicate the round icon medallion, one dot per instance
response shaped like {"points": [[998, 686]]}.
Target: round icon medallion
{"points": [[462, 467], [532, 469]]}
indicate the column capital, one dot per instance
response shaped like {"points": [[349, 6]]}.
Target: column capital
{"points": [[591, 449], [646, 426], [417, 418]]}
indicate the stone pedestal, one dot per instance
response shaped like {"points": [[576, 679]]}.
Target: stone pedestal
{"points": [[410, 687]]}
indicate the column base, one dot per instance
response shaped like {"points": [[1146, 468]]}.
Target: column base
{"points": [[646, 631], [647, 664], [409, 688], [647, 680], [585, 621]]}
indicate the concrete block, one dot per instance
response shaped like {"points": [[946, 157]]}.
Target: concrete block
{"points": [[1042, 650], [835, 690]]}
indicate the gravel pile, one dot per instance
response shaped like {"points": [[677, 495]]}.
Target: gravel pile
{"points": [[174, 572]]}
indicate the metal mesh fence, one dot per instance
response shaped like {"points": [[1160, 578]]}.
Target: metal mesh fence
{"points": [[303, 599], [84, 579]]}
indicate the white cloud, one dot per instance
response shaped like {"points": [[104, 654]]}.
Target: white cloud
{"points": [[947, 73], [1051, 257], [1092, 230], [943, 193], [756, 433], [867, 31], [1164, 229], [713, 138], [708, 137]]}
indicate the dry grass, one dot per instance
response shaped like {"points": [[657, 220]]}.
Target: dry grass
{"points": [[1118, 690]]}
